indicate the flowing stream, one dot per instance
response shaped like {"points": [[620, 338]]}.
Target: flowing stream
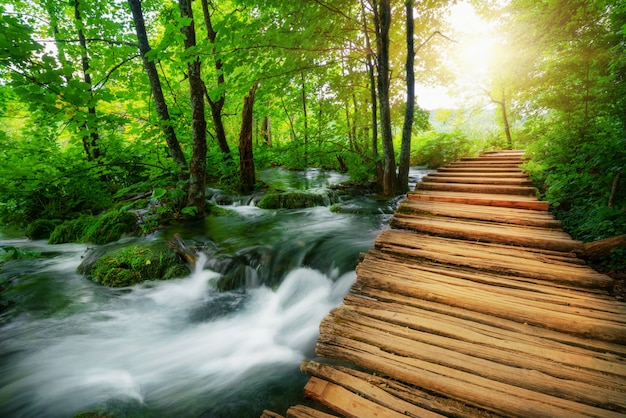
{"points": [[180, 347]]}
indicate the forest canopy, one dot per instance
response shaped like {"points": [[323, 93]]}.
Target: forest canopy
{"points": [[104, 100]]}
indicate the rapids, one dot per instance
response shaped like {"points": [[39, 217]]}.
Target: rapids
{"points": [[179, 347]]}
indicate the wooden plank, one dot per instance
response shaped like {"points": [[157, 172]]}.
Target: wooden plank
{"points": [[575, 321], [509, 285], [270, 414], [484, 213], [478, 391], [520, 370], [506, 201], [301, 411], [566, 342], [478, 180], [470, 174], [448, 169], [347, 403], [526, 236], [360, 383], [477, 188], [463, 253], [546, 348]]}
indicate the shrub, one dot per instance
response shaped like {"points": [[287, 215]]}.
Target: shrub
{"points": [[41, 228]]}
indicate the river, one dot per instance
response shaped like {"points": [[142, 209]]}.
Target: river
{"points": [[180, 347]]}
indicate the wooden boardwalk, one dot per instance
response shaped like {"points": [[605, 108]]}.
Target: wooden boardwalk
{"points": [[474, 303]]}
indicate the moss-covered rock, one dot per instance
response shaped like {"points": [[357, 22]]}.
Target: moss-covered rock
{"points": [[137, 263], [292, 200], [41, 228]]}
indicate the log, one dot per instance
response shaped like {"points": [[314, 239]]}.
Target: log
{"points": [[600, 249], [506, 201], [301, 411], [477, 188], [270, 414], [177, 245]]}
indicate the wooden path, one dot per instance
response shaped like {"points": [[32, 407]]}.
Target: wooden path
{"points": [[474, 303]]}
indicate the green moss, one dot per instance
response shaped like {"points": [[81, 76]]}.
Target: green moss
{"points": [[291, 200], [71, 231], [41, 228], [134, 264], [110, 227]]}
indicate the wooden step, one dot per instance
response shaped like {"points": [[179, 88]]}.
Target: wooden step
{"points": [[483, 213], [448, 169], [478, 180], [477, 188], [488, 258], [507, 201], [509, 175], [493, 232], [485, 164]]}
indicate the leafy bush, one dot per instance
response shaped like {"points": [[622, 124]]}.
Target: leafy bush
{"points": [[435, 149], [41, 228], [107, 228]]}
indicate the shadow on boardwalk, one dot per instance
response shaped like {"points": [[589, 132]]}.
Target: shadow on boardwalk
{"points": [[473, 304]]}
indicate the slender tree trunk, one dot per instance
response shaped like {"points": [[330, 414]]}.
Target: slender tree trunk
{"points": [[382, 21], [155, 86], [505, 121], [246, 157], [373, 99], [306, 123], [197, 166], [216, 105], [407, 130], [91, 140], [266, 131]]}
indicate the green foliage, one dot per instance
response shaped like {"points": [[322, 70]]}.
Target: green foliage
{"points": [[9, 253], [98, 230], [137, 263], [435, 149], [292, 200], [41, 228]]}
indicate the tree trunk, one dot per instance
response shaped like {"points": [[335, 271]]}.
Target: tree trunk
{"points": [[266, 131], [407, 130], [246, 157], [155, 86], [306, 124], [382, 21], [197, 166], [91, 139], [600, 249], [373, 94], [216, 105], [505, 121]]}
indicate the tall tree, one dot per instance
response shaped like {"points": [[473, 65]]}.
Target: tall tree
{"points": [[409, 112], [216, 100], [155, 85], [382, 24], [197, 166], [91, 137], [246, 156]]}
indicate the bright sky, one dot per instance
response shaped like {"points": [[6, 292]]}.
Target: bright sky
{"points": [[470, 58]]}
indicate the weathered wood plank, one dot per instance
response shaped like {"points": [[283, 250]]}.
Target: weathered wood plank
{"points": [[270, 414], [507, 201], [545, 347], [518, 370], [470, 174], [474, 390], [526, 236], [484, 213], [575, 321], [463, 253], [347, 403], [555, 294], [568, 342], [486, 169], [301, 411], [361, 384], [521, 181], [477, 188]]}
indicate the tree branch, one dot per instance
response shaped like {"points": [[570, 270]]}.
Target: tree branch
{"points": [[108, 41]]}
